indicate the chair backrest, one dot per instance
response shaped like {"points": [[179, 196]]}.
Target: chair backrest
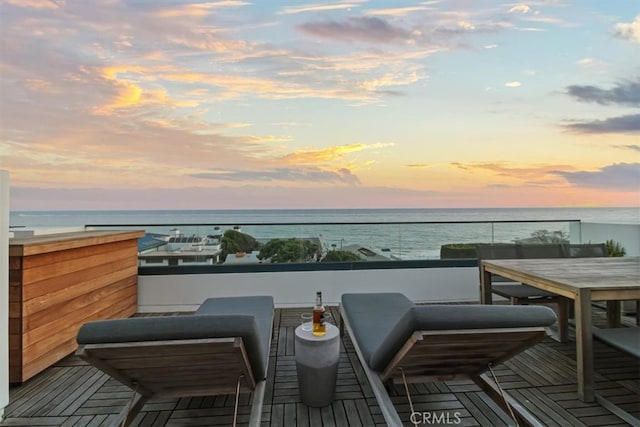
{"points": [[586, 250], [540, 251], [497, 251]]}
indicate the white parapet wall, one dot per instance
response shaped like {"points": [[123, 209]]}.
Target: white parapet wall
{"points": [[4, 291], [186, 292]]}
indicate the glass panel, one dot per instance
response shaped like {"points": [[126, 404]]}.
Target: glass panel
{"points": [[277, 243]]}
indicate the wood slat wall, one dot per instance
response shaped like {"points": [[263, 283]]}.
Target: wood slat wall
{"points": [[57, 283]]}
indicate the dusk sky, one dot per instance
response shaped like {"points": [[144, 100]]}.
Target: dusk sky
{"points": [[135, 104]]}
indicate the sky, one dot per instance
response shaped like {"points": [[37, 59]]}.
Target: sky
{"points": [[231, 104]]}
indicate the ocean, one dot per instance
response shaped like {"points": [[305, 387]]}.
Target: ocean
{"points": [[403, 233]]}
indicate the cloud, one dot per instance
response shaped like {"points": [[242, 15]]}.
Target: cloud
{"points": [[587, 62], [592, 64], [292, 10], [618, 176], [623, 124], [466, 25], [520, 8], [523, 173], [368, 29], [549, 20], [34, 4], [628, 31], [329, 154], [624, 93], [398, 11], [513, 84], [198, 9], [437, 30], [309, 174], [632, 147]]}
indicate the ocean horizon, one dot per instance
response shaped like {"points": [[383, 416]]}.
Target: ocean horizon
{"points": [[63, 218]]}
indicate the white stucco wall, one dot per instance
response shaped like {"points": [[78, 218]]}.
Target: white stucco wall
{"points": [[4, 291], [297, 289]]}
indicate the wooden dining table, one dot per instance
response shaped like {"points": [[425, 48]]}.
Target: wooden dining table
{"points": [[583, 280]]}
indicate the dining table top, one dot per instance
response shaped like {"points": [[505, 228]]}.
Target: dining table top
{"points": [[594, 273]]}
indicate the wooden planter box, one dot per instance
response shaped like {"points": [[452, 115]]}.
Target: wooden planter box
{"points": [[57, 282]]}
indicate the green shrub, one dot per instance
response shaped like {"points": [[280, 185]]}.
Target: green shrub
{"points": [[614, 249], [289, 250], [341, 256], [458, 250]]}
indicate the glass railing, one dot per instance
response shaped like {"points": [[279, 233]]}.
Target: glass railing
{"points": [[215, 245]]}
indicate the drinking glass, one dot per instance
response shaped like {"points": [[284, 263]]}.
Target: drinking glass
{"points": [[306, 321]]}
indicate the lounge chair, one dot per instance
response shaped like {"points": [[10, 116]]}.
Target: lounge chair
{"points": [[399, 341], [222, 349], [628, 341]]}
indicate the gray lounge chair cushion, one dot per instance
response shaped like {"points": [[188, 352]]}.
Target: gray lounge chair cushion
{"points": [[375, 319], [260, 306], [467, 316], [521, 291], [383, 322], [625, 339], [250, 327], [456, 317]]}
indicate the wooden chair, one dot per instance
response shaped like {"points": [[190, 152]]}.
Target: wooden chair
{"points": [[520, 294], [182, 356], [582, 250], [399, 342]]}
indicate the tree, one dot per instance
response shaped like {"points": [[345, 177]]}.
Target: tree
{"points": [[546, 236], [341, 256], [289, 250], [234, 241]]}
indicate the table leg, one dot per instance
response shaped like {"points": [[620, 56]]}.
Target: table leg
{"points": [[613, 314], [563, 319], [584, 346], [485, 286]]}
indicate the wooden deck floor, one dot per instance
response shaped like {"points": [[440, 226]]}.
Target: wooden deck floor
{"points": [[72, 393]]}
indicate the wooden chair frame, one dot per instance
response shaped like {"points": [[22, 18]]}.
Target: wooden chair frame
{"points": [[177, 368], [444, 355]]}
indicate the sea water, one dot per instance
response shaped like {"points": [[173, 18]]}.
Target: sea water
{"points": [[401, 233]]}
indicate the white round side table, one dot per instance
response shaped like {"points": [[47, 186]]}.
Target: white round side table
{"points": [[317, 365]]}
